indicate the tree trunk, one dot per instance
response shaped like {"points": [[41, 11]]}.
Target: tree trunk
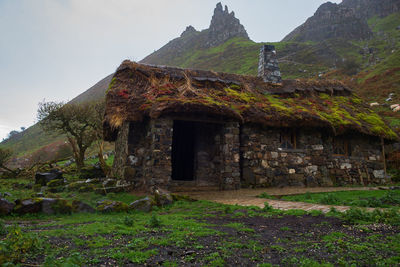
{"points": [[80, 161], [106, 169]]}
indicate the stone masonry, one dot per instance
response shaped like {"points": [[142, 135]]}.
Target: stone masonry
{"points": [[311, 164], [268, 67]]}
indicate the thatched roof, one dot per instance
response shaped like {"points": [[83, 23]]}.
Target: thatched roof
{"points": [[139, 91]]}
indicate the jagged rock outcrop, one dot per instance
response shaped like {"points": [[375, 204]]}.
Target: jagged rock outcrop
{"points": [[332, 21], [224, 26], [366, 9], [347, 20]]}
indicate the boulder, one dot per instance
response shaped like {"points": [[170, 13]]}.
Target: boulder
{"points": [[145, 204], [56, 206], [5, 194], [75, 186], [162, 197], [79, 206], [28, 206], [40, 194], [111, 206], [43, 178], [114, 189], [93, 181], [55, 189], [56, 183], [91, 172], [6, 206], [109, 182]]}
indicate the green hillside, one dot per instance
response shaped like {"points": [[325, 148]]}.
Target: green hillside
{"points": [[371, 67]]}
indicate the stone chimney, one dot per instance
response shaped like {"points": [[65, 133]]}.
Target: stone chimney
{"points": [[268, 67]]}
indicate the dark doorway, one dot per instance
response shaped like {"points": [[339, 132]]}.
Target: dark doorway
{"points": [[183, 151]]}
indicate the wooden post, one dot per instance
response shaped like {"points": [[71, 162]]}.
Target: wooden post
{"points": [[383, 156]]}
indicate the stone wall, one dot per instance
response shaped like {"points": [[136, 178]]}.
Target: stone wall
{"points": [[121, 151], [230, 157], [230, 173], [312, 163], [208, 154]]}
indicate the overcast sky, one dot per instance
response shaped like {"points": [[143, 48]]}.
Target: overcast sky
{"points": [[56, 49]]}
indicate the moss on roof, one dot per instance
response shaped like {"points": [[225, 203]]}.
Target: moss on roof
{"points": [[138, 91]]}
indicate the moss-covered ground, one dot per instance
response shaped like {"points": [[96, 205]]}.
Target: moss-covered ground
{"points": [[190, 233], [368, 198], [199, 233]]}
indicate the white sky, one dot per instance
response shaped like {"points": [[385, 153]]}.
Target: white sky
{"points": [[56, 49]]}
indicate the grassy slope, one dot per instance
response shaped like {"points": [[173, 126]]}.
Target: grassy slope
{"points": [[297, 60], [29, 141]]}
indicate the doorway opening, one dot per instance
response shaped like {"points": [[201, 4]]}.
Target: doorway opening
{"points": [[183, 150]]}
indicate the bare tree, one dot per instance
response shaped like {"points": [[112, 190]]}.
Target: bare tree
{"points": [[97, 125], [73, 120]]}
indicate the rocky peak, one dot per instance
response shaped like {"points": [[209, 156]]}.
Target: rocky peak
{"points": [[332, 21], [224, 25], [369, 8], [189, 30]]}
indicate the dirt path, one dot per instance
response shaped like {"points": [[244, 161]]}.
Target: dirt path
{"points": [[248, 197]]}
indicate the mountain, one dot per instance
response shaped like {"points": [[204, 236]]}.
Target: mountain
{"points": [[223, 27], [347, 20], [357, 41]]}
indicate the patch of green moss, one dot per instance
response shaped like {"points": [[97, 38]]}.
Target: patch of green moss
{"points": [[279, 105], [241, 96], [356, 100], [112, 83]]}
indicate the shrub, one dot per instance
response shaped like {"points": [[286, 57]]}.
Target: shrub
{"points": [[154, 221], [3, 229], [267, 207], [128, 221], [307, 195], [265, 195], [330, 199], [228, 210], [17, 245], [357, 215]]}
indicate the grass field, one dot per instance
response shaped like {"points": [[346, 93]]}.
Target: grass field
{"points": [[369, 198], [199, 233], [196, 233]]}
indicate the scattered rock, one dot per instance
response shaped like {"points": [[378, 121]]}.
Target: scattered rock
{"points": [[37, 187], [57, 189], [145, 204], [109, 182], [93, 181], [111, 206], [177, 197], [75, 186], [114, 189], [380, 174], [162, 197], [6, 206], [56, 183], [55, 206], [79, 206], [28, 206], [43, 178], [91, 172]]}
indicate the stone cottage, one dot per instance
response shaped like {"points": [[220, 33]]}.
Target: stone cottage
{"points": [[179, 128]]}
